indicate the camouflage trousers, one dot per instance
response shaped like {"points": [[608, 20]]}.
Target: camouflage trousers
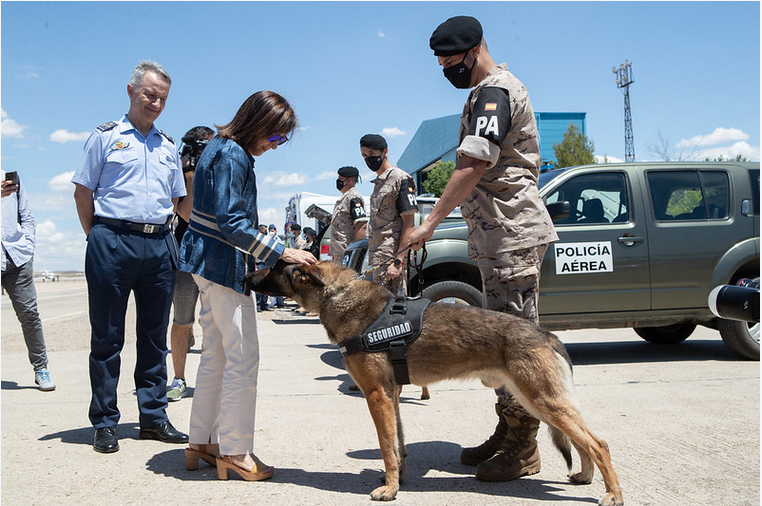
{"points": [[393, 285], [511, 285]]}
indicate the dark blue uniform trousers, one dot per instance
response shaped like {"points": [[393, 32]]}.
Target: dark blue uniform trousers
{"points": [[116, 263]]}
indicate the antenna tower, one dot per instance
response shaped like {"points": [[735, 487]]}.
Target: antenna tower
{"points": [[623, 81]]}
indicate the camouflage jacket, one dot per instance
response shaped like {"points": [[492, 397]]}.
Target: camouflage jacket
{"points": [[504, 212], [348, 210], [393, 196]]}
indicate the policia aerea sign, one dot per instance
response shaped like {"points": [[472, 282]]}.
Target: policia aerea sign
{"points": [[584, 257]]}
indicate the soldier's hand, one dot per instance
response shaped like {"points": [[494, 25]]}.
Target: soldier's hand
{"points": [[419, 236], [393, 272], [297, 256]]}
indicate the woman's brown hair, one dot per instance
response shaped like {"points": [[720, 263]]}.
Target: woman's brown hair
{"points": [[261, 115]]}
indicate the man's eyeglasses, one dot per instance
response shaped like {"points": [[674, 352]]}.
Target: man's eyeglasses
{"points": [[282, 139]]}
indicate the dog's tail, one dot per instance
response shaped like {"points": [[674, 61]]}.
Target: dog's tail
{"points": [[563, 443]]}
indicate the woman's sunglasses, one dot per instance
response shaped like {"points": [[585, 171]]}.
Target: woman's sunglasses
{"points": [[282, 139]]}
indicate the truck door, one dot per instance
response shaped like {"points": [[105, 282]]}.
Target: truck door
{"points": [[600, 263], [692, 226]]}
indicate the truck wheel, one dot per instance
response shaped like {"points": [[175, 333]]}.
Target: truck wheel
{"points": [[741, 337], [453, 292], [670, 334]]}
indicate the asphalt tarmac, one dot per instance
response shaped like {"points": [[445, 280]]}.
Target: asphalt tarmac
{"points": [[682, 423]]}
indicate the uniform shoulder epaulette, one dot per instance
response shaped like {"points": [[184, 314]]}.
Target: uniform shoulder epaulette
{"points": [[169, 137], [106, 126]]}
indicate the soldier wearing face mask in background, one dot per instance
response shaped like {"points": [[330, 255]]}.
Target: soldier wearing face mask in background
{"points": [[392, 210], [349, 221]]}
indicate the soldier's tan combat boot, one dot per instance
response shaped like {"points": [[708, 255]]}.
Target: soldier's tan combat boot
{"points": [[478, 454], [518, 456]]}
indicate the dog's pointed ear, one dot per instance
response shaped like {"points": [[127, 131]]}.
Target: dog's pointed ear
{"points": [[315, 273]]}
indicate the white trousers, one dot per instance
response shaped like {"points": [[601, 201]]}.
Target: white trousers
{"points": [[225, 398]]}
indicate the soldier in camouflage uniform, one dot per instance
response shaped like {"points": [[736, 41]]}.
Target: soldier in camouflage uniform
{"points": [[349, 221], [392, 210], [509, 228]]}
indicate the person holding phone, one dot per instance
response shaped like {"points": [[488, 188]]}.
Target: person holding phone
{"points": [[18, 243]]}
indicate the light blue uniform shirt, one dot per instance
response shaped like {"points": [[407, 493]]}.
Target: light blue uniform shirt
{"points": [[18, 239], [133, 178]]}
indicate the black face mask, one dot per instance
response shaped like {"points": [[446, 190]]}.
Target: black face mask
{"points": [[374, 162], [459, 74], [339, 184]]}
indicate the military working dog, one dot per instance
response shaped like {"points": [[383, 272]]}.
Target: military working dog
{"points": [[455, 342]]}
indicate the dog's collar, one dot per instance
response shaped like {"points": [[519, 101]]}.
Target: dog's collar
{"points": [[399, 323]]}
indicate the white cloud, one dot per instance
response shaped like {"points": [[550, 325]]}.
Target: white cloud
{"points": [[286, 179], [8, 127], [729, 152], [329, 174], [62, 182], [719, 136], [270, 215], [607, 159], [381, 34], [66, 136], [46, 232], [392, 132]]}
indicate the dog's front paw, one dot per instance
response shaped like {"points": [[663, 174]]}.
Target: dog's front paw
{"points": [[609, 499], [385, 493]]}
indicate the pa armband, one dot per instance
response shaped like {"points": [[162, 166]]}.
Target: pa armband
{"points": [[357, 209], [406, 198], [491, 116]]}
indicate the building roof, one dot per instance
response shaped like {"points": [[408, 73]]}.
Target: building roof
{"points": [[437, 139], [431, 142]]}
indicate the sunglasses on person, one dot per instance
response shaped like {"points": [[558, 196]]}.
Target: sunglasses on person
{"points": [[282, 139]]}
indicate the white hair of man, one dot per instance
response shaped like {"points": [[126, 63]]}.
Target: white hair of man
{"points": [[147, 66]]}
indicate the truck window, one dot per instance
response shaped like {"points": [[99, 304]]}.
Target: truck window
{"points": [[598, 198], [689, 195]]}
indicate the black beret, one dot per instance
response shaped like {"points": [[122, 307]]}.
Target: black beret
{"points": [[348, 171], [456, 35], [373, 141], [296, 226]]}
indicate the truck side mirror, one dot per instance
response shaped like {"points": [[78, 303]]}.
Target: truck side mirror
{"points": [[559, 210]]}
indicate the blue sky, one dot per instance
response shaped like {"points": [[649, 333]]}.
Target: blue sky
{"points": [[351, 68]]}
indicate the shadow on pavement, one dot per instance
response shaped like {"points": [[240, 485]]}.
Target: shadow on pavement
{"points": [[84, 435], [422, 457]]}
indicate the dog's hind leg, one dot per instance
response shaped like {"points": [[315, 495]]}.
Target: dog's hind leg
{"points": [[381, 408], [589, 447]]}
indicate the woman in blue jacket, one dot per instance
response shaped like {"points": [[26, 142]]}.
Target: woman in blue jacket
{"points": [[222, 245]]}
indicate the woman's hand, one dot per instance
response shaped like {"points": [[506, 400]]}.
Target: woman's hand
{"points": [[297, 256]]}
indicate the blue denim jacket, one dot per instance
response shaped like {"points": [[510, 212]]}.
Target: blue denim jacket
{"points": [[222, 243]]}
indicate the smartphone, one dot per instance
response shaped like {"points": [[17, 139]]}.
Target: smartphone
{"points": [[12, 176]]}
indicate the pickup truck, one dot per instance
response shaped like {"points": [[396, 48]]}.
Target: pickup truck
{"points": [[642, 246]]}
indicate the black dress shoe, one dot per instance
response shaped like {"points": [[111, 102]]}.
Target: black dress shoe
{"points": [[105, 440], [164, 432]]}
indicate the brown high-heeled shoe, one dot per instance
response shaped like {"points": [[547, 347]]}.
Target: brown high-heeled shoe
{"points": [[226, 463], [192, 457]]}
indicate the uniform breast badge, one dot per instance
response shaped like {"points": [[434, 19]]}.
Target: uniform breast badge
{"points": [[119, 145]]}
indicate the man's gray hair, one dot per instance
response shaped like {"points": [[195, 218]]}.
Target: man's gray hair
{"points": [[147, 66]]}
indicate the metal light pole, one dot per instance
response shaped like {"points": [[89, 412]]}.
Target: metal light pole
{"points": [[623, 81]]}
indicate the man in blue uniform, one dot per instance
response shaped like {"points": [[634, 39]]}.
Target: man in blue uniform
{"points": [[127, 184]]}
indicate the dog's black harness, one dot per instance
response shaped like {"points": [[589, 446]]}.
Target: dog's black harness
{"points": [[399, 324]]}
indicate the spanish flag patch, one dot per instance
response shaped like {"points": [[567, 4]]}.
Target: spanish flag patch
{"points": [[490, 106]]}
